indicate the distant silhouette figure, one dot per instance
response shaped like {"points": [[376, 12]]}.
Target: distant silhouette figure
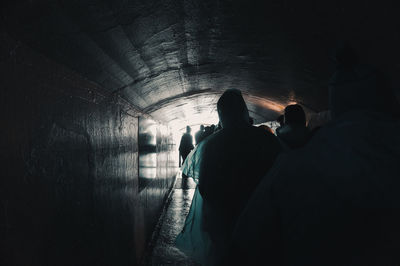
{"points": [[336, 201], [186, 144], [228, 166], [294, 132], [199, 136], [208, 131]]}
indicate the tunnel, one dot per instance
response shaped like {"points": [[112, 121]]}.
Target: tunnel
{"points": [[95, 95]]}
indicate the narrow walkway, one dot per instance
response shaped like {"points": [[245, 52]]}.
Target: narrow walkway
{"points": [[164, 251]]}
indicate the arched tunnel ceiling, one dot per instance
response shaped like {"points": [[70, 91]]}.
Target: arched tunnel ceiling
{"points": [[173, 58]]}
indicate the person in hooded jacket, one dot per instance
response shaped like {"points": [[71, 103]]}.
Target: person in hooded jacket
{"points": [[228, 166], [336, 201]]}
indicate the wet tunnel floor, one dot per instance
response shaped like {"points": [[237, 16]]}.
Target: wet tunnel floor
{"points": [[164, 251]]}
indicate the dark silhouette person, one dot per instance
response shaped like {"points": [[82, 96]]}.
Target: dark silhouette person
{"points": [[228, 166], [336, 201], [186, 144], [294, 132], [199, 135], [212, 128]]}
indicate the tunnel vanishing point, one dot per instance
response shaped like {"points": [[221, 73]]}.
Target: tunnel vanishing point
{"points": [[92, 92]]}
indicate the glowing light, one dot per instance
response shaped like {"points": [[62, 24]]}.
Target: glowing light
{"points": [[163, 129], [265, 103], [201, 109]]}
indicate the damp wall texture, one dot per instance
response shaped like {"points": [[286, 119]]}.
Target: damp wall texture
{"points": [[158, 161], [69, 185]]}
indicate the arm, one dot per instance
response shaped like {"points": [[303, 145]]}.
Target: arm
{"points": [[207, 172]]}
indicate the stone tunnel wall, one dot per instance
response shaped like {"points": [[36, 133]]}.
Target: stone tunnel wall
{"points": [[69, 185]]}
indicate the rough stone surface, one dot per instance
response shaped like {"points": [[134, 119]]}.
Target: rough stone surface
{"points": [[175, 57], [69, 186]]}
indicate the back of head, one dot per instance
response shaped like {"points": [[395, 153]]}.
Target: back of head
{"points": [[294, 115], [188, 129], [232, 109]]}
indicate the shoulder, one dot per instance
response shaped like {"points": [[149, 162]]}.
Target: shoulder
{"points": [[212, 140]]}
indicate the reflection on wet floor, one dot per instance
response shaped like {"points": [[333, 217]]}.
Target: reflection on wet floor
{"points": [[155, 166], [148, 160], [147, 169], [164, 251]]}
